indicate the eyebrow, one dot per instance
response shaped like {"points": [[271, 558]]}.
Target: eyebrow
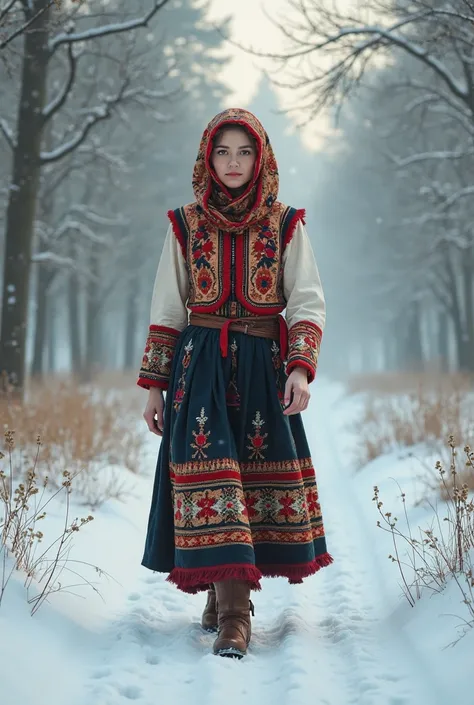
{"points": [[225, 146]]}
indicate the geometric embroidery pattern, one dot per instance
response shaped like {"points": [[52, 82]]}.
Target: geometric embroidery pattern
{"points": [[304, 342], [156, 363]]}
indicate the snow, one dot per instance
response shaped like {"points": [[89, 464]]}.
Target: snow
{"points": [[346, 636]]}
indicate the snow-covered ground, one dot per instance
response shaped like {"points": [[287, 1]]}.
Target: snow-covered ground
{"points": [[346, 636]]}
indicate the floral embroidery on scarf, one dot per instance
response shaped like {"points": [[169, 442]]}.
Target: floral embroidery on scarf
{"points": [[257, 440], [179, 394], [200, 437], [232, 214]]}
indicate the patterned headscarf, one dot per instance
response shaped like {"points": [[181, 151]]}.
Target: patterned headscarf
{"points": [[220, 207]]}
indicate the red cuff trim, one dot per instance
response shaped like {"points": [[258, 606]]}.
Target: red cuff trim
{"points": [[177, 232], [301, 363], [299, 215], [148, 383], [304, 345], [164, 329]]}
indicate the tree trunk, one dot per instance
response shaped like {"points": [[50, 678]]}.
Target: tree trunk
{"points": [[414, 348], [91, 359], [131, 324], [22, 200], [42, 284], [74, 315], [51, 318], [468, 292], [443, 340]]}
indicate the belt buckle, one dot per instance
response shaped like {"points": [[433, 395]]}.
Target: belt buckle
{"points": [[246, 329]]}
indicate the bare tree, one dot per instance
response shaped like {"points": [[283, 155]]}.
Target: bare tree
{"points": [[34, 113]]}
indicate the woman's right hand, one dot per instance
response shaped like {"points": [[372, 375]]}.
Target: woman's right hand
{"points": [[153, 413]]}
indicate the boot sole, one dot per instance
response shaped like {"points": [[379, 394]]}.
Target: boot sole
{"points": [[230, 653]]}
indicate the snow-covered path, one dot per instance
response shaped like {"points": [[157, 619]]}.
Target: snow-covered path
{"points": [[335, 640]]}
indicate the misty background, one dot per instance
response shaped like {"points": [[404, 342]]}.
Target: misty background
{"points": [[379, 153]]}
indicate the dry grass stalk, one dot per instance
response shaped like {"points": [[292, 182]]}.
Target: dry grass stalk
{"points": [[446, 551], [24, 502], [86, 430], [400, 415]]}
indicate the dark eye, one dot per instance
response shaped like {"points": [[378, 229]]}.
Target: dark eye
{"points": [[246, 152], [221, 152]]}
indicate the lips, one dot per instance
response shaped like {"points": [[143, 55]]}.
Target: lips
{"points": [[233, 173]]}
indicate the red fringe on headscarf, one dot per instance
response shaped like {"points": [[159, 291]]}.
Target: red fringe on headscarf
{"points": [[177, 231], [299, 215], [193, 580]]}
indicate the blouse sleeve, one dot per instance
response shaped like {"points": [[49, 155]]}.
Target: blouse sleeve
{"points": [[168, 315], [305, 303]]}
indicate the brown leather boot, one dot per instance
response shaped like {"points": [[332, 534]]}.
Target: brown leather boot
{"points": [[209, 616], [233, 608]]}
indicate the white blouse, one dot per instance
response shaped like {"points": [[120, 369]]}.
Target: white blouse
{"points": [[301, 284]]}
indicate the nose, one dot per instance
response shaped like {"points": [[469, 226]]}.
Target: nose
{"points": [[233, 162]]}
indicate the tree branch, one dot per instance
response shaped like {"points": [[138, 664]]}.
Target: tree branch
{"points": [[105, 30], [22, 28], [7, 133], [58, 102], [6, 10]]}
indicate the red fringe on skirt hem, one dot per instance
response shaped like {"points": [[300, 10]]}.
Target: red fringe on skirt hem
{"points": [[194, 580], [296, 573]]}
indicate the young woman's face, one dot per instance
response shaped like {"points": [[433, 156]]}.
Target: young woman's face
{"points": [[233, 158]]}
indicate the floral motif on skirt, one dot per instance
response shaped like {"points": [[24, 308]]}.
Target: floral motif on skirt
{"points": [[235, 493]]}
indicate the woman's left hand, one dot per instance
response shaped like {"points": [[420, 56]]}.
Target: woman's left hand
{"points": [[297, 383]]}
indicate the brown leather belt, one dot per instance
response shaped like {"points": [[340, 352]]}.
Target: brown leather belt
{"points": [[273, 327]]}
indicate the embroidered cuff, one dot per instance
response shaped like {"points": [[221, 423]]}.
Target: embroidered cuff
{"points": [[156, 364], [303, 347]]}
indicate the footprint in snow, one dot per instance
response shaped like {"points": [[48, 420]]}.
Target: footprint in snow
{"points": [[131, 692]]}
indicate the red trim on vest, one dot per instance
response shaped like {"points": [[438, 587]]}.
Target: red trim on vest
{"points": [[177, 232], [299, 215], [240, 270], [226, 285]]}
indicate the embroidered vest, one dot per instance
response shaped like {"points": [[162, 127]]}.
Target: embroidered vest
{"points": [[240, 271]]}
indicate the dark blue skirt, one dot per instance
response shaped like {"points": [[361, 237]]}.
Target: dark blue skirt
{"points": [[235, 492]]}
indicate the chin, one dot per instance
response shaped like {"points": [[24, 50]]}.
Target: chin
{"points": [[235, 183]]}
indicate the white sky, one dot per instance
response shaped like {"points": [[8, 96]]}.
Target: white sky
{"points": [[251, 27]]}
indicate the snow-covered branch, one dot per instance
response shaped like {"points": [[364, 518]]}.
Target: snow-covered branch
{"points": [[97, 218], [96, 115], [439, 155], [53, 258], [7, 133], [25, 25], [105, 30], [6, 9], [83, 229], [58, 102]]}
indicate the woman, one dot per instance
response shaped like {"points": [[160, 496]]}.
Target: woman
{"points": [[235, 494]]}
